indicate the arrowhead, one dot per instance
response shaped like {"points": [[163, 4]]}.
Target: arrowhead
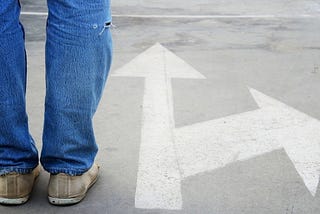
{"points": [[263, 100], [301, 143], [310, 175], [213, 144], [155, 61], [299, 136]]}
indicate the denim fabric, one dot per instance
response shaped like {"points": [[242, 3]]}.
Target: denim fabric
{"points": [[78, 58]]}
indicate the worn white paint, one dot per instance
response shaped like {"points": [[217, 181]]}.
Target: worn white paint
{"points": [[194, 16], [235, 16], [159, 178], [169, 154], [213, 144], [32, 13]]}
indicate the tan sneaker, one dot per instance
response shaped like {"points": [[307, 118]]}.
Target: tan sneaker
{"points": [[16, 188], [64, 189]]}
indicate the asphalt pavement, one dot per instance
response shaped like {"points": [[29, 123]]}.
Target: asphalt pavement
{"points": [[210, 107]]}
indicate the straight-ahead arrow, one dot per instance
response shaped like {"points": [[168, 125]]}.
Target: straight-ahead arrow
{"points": [[159, 178]]}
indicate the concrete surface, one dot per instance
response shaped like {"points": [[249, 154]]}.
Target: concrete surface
{"points": [[272, 46]]}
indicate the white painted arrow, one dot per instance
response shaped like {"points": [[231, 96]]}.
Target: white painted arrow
{"points": [[213, 144], [159, 178], [169, 154]]}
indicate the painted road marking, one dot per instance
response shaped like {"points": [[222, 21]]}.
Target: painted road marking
{"points": [[266, 16], [155, 16], [159, 178], [30, 13], [213, 144], [169, 154]]}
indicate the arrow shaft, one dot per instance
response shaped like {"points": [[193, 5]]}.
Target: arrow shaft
{"points": [[159, 179]]}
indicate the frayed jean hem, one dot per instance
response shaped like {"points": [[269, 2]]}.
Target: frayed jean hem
{"points": [[7, 170], [71, 172]]}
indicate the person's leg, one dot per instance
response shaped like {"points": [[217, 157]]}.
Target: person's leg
{"points": [[78, 57], [18, 152]]}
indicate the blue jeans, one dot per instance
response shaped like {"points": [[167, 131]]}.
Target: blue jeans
{"points": [[78, 57]]}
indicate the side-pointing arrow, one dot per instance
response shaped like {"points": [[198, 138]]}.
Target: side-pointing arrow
{"points": [[213, 144], [159, 177]]}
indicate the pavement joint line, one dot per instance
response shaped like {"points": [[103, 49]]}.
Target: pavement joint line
{"points": [[266, 16]]}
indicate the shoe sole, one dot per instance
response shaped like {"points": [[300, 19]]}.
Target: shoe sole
{"points": [[70, 201], [14, 201], [18, 201]]}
